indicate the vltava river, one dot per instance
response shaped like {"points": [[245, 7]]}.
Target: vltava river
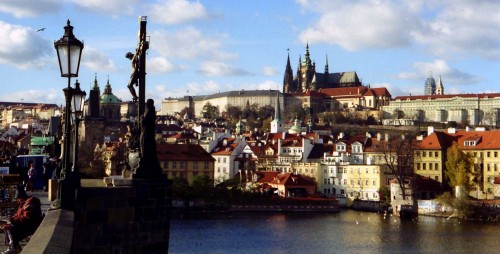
{"points": [[343, 232]]}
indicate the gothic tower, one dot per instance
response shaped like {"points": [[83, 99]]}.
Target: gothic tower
{"points": [[288, 85], [93, 110]]}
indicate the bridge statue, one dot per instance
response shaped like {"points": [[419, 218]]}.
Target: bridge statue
{"points": [[143, 159]]}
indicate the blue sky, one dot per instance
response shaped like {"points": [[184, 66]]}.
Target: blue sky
{"points": [[204, 47]]}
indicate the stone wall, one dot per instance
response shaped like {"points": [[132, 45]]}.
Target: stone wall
{"points": [[123, 219]]}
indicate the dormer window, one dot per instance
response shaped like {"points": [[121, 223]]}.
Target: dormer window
{"points": [[472, 141]]}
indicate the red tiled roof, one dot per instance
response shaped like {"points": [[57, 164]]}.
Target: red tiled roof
{"points": [[266, 176], [290, 180], [182, 152], [447, 96]]}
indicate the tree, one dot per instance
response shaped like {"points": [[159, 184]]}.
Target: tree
{"points": [[188, 111], [398, 158], [266, 112], [459, 168], [209, 111], [202, 185], [234, 112], [181, 189], [295, 111]]}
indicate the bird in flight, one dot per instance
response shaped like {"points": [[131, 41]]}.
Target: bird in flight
{"points": [[40, 30]]}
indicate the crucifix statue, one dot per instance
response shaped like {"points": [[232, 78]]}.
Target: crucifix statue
{"points": [[142, 143]]}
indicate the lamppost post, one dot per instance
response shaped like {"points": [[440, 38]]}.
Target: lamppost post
{"points": [[69, 51], [77, 104]]}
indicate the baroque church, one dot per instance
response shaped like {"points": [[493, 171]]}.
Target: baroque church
{"points": [[102, 122], [308, 79]]}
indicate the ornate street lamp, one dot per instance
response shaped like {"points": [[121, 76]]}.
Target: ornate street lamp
{"points": [[77, 104], [69, 51]]}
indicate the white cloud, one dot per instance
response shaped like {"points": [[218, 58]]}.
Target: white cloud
{"points": [[29, 8], [161, 65], [22, 47], [97, 61], [211, 68], [438, 68], [448, 29], [361, 24], [190, 43], [176, 11], [464, 27], [398, 90], [109, 7], [269, 71], [48, 95]]}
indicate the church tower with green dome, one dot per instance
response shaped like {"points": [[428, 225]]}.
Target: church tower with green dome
{"points": [[110, 105]]}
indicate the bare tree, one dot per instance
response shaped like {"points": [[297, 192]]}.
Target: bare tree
{"points": [[398, 158]]}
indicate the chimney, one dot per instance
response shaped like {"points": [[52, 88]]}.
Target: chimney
{"points": [[451, 130], [379, 136], [430, 130], [341, 135], [387, 137]]}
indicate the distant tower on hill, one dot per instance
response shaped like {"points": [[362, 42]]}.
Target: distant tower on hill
{"points": [[440, 87], [430, 86]]}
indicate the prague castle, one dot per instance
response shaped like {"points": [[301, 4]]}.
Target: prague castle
{"points": [[307, 79]]}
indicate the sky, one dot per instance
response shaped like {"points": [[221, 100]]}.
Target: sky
{"points": [[208, 46]]}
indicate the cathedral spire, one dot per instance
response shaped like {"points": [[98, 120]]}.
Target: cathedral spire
{"points": [[288, 78]]}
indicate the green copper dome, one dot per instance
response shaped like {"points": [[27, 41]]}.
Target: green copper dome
{"points": [[108, 97]]}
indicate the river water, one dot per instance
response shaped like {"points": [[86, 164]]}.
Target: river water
{"points": [[344, 232]]}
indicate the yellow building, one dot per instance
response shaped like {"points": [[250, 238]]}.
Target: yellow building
{"points": [[364, 182], [430, 156], [185, 161]]}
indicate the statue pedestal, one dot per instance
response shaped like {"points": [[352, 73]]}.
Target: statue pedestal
{"points": [[117, 181], [123, 219]]}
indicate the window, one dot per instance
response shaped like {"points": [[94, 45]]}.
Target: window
{"points": [[206, 165], [181, 164], [436, 178], [218, 160], [324, 181], [166, 164], [174, 164], [436, 154], [224, 170], [424, 154], [345, 181], [424, 166], [417, 165], [195, 165], [436, 166], [374, 183], [488, 167], [366, 182], [224, 160], [488, 154], [218, 169]]}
